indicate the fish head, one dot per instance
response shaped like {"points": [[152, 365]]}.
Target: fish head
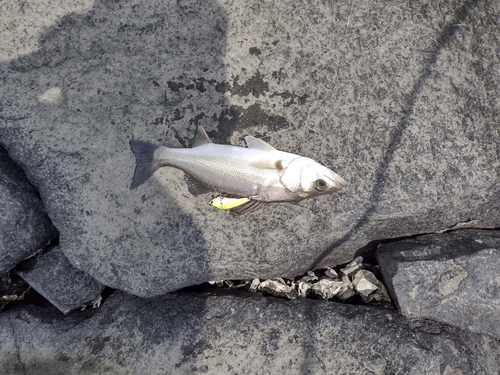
{"points": [[306, 178]]}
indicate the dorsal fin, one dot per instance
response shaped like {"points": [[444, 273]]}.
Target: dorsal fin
{"points": [[258, 144], [201, 137]]}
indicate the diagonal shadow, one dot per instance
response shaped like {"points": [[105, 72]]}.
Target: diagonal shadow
{"points": [[395, 139], [397, 133]]}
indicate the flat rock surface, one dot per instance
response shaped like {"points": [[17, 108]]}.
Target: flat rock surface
{"points": [[453, 278], [55, 278], [400, 99], [24, 224], [232, 334]]}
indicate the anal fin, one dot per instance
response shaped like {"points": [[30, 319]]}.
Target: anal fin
{"points": [[246, 208]]}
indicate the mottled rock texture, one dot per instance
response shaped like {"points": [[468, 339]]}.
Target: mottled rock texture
{"points": [[452, 278], [400, 98], [54, 277], [24, 224], [228, 334]]}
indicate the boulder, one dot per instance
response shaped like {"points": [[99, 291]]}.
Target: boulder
{"points": [[453, 278], [232, 334], [24, 224], [400, 99], [52, 275]]}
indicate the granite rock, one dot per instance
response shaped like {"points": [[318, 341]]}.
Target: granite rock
{"points": [[452, 278], [54, 277], [400, 98], [24, 224], [231, 334]]}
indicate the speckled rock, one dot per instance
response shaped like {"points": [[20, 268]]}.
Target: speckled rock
{"points": [[452, 278], [231, 334], [24, 224], [52, 275], [401, 99]]}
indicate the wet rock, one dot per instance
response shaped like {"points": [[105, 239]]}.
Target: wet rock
{"points": [[399, 98], [53, 276], [452, 278], [224, 333], [24, 225]]}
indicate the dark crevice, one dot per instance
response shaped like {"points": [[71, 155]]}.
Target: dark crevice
{"points": [[106, 293], [368, 251], [370, 263], [11, 285], [13, 289]]}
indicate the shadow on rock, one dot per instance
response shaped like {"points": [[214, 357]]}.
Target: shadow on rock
{"points": [[114, 72]]}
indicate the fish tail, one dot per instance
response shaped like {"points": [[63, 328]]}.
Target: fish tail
{"points": [[144, 158]]}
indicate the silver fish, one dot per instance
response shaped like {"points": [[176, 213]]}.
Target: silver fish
{"points": [[258, 172]]}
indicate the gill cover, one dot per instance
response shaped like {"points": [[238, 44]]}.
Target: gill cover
{"points": [[291, 174], [306, 178]]}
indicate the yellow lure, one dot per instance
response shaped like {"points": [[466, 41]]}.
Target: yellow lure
{"points": [[226, 203]]}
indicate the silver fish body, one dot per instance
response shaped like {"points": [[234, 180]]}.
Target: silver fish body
{"points": [[258, 172]]}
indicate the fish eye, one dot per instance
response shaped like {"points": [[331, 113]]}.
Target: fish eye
{"points": [[320, 185]]}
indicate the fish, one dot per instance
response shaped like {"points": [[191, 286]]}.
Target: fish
{"points": [[258, 172], [227, 203]]}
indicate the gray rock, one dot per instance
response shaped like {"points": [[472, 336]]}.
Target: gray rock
{"points": [[231, 334], [331, 273], [327, 288], [24, 225], [355, 280], [52, 275], [453, 278], [401, 99], [353, 267], [369, 287], [310, 277], [278, 288]]}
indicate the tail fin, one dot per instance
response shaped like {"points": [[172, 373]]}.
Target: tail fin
{"points": [[145, 165]]}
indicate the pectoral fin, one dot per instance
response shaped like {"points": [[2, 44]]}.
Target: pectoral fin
{"points": [[195, 186]]}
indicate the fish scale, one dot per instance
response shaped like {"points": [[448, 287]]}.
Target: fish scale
{"points": [[216, 165]]}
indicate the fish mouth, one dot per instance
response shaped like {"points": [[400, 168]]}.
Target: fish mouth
{"points": [[339, 182]]}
